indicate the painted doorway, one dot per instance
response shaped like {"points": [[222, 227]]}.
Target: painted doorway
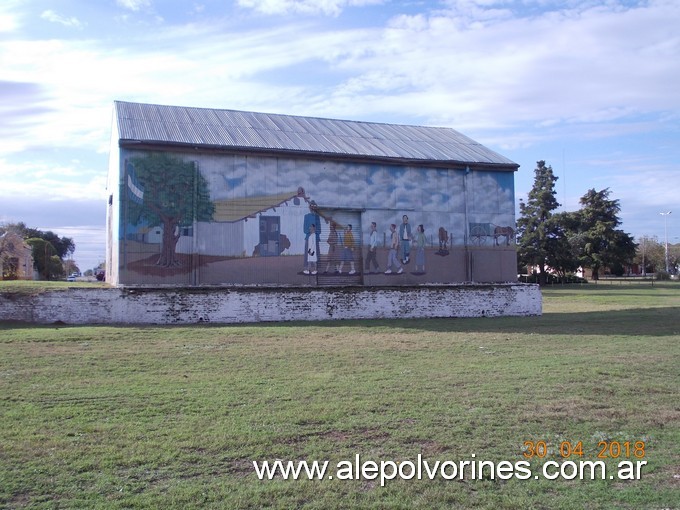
{"points": [[270, 236]]}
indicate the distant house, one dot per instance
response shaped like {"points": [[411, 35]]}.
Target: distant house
{"points": [[202, 196], [16, 257]]}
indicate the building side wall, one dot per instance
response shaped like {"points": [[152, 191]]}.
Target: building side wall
{"points": [[16, 260], [257, 232], [115, 202]]}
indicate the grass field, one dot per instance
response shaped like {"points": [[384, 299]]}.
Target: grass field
{"points": [[39, 286], [173, 417]]}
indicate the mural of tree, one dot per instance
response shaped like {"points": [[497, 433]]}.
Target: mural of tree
{"points": [[170, 193]]}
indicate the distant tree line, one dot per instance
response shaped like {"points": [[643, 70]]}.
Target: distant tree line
{"points": [[560, 243], [51, 253], [651, 256]]}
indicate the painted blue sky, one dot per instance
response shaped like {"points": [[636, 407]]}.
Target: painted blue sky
{"points": [[588, 86]]}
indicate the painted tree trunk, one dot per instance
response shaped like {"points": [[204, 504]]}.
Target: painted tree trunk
{"points": [[170, 237]]}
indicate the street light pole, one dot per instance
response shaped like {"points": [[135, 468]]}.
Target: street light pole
{"points": [[665, 230]]}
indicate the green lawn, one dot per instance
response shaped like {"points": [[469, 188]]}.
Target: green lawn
{"points": [[38, 286], [172, 417]]}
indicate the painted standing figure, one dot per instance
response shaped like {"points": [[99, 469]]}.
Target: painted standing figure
{"points": [[372, 249], [347, 250], [392, 260], [332, 245], [405, 239], [312, 251], [419, 241], [312, 218]]}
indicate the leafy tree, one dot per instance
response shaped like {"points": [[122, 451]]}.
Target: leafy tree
{"points": [[649, 254], [49, 250], [539, 235], [594, 237], [63, 246], [673, 257], [71, 267], [45, 258], [175, 195], [561, 254]]}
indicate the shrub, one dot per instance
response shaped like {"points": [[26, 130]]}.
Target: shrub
{"points": [[662, 275], [552, 279]]}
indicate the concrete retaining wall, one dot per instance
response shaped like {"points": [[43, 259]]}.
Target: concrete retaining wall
{"points": [[220, 305]]}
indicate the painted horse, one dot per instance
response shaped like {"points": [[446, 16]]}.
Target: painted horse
{"points": [[507, 232], [443, 238]]}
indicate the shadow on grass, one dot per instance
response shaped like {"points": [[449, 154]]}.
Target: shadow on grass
{"points": [[587, 292], [661, 321]]}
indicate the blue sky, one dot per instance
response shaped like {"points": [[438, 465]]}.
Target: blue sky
{"points": [[589, 87]]}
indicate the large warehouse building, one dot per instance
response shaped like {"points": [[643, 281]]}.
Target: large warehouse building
{"points": [[203, 196]]}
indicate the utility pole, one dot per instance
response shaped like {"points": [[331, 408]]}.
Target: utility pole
{"points": [[665, 230]]}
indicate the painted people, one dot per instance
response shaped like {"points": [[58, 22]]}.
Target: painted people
{"points": [[392, 260], [312, 218], [405, 239], [347, 254], [332, 240], [419, 241], [372, 250], [312, 247]]}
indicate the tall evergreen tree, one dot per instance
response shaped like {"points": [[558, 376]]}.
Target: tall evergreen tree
{"points": [[538, 233], [597, 241], [561, 256]]}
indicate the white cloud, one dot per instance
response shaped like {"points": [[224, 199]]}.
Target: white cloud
{"points": [[53, 17], [51, 181], [571, 66], [134, 5], [645, 180], [10, 16], [8, 23], [514, 73], [326, 7]]}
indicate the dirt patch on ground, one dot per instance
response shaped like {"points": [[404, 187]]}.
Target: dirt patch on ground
{"points": [[185, 264]]}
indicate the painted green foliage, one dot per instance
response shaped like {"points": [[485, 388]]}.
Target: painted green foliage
{"points": [[175, 194]]}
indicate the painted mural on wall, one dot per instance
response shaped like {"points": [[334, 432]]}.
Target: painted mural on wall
{"points": [[230, 219], [169, 193]]}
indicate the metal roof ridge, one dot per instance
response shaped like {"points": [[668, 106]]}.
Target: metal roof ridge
{"points": [[247, 130], [314, 117]]}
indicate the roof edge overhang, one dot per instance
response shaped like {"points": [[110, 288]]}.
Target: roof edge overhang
{"points": [[356, 158]]}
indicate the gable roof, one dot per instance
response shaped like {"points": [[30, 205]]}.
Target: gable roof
{"points": [[211, 128]]}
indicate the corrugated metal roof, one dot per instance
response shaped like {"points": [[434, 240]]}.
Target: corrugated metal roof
{"points": [[240, 130]]}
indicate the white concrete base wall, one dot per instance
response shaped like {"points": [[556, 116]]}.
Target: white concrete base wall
{"points": [[219, 305]]}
